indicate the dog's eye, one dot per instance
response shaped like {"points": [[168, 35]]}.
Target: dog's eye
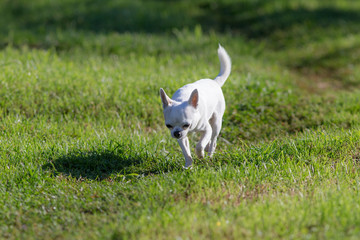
{"points": [[185, 126], [169, 126]]}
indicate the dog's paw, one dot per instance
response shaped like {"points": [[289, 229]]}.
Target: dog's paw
{"points": [[188, 163], [199, 152], [188, 167], [210, 149], [208, 146]]}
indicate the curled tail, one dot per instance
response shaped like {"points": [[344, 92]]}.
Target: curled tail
{"points": [[225, 66]]}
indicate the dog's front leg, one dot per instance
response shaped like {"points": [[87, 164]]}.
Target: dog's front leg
{"points": [[184, 144], [204, 140]]}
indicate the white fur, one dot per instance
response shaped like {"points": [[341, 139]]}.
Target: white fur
{"points": [[200, 105]]}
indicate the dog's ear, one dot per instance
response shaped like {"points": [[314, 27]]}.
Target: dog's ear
{"points": [[194, 98], [166, 101]]}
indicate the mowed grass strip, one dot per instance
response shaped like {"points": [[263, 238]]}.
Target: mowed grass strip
{"points": [[308, 185]]}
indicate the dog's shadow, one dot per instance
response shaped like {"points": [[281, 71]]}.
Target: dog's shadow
{"points": [[102, 164]]}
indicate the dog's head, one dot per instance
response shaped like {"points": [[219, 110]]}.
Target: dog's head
{"points": [[180, 117]]}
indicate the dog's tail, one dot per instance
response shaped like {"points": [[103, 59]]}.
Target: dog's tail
{"points": [[225, 66]]}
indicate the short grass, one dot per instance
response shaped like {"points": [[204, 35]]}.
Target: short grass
{"points": [[83, 150]]}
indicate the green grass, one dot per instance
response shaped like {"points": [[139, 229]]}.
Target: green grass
{"points": [[84, 153]]}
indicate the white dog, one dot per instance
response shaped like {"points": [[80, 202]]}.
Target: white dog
{"points": [[198, 107]]}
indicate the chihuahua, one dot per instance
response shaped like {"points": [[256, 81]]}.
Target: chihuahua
{"points": [[198, 107]]}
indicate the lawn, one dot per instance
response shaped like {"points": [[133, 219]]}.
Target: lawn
{"points": [[84, 153]]}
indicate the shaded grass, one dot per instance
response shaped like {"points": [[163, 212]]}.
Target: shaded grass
{"points": [[316, 40]]}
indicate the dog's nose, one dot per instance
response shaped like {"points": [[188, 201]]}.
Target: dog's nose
{"points": [[177, 134]]}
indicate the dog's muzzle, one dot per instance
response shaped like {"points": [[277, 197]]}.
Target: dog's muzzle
{"points": [[177, 134]]}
